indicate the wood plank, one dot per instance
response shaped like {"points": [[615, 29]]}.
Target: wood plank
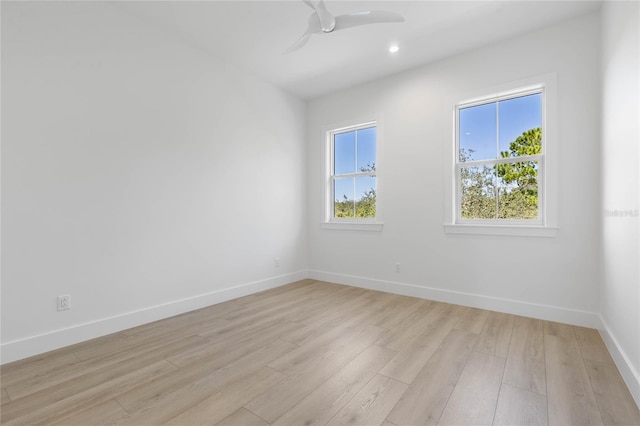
{"points": [[322, 312], [116, 356], [66, 408], [324, 347], [496, 335], [48, 395], [427, 396], [318, 407], [473, 320], [473, 400], [185, 327], [591, 344], [227, 351], [235, 332], [372, 404], [171, 402], [310, 296], [242, 417], [283, 305], [616, 404], [225, 402], [277, 400], [326, 317], [5, 396], [520, 407], [251, 322], [319, 344], [194, 320], [340, 300], [195, 383], [117, 346], [569, 394], [525, 360], [281, 290], [302, 293], [398, 337], [100, 414], [383, 304], [305, 333], [406, 365], [36, 366], [558, 329], [391, 317]]}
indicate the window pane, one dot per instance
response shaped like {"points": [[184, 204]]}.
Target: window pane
{"points": [[518, 190], [344, 153], [517, 120], [366, 196], [478, 192], [366, 149], [477, 132], [344, 200]]}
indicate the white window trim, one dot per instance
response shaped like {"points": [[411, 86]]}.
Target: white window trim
{"points": [[547, 226], [351, 224]]}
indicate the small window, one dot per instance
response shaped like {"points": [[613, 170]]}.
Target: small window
{"points": [[352, 176], [500, 159]]}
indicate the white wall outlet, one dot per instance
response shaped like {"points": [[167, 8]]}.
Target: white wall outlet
{"points": [[64, 302], [397, 266], [276, 262]]}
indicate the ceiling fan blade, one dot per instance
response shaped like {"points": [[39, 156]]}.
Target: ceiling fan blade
{"points": [[313, 28], [298, 44], [366, 17]]}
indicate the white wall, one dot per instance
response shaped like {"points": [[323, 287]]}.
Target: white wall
{"points": [[554, 278], [140, 176], [620, 290], [146, 178]]}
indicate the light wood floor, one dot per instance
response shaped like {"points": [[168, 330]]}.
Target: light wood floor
{"points": [[314, 353]]}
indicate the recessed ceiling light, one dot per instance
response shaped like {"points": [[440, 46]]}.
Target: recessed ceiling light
{"points": [[394, 48]]}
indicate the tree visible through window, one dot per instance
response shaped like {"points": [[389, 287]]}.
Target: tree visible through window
{"points": [[499, 161], [353, 172]]}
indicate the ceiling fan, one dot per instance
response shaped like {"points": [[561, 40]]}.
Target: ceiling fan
{"points": [[322, 21]]}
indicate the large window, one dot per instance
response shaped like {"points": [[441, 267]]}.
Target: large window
{"points": [[500, 159], [352, 175]]}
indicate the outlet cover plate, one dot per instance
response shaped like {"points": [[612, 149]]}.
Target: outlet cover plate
{"points": [[64, 302]]}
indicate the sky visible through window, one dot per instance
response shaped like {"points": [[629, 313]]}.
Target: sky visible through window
{"points": [[354, 151], [478, 130]]}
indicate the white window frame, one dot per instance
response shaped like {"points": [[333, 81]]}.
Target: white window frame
{"points": [[546, 224], [357, 224]]}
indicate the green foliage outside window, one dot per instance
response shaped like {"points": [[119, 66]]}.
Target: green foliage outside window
{"points": [[365, 207], [503, 191]]}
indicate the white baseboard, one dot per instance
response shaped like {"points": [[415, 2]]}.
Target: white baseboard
{"points": [[532, 310], [34, 345], [629, 374]]}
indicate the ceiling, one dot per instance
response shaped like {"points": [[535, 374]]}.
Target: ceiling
{"points": [[255, 34]]}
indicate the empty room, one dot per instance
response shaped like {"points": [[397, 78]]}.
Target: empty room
{"points": [[320, 212]]}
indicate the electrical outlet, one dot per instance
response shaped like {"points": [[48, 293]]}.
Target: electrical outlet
{"points": [[397, 266], [64, 302], [276, 262]]}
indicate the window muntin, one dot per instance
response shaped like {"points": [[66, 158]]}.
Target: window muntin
{"points": [[353, 153], [499, 159]]}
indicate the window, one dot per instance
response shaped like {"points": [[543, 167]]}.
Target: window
{"points": [[352, 174], [499, 160]]}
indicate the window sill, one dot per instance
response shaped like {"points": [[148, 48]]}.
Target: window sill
{"points": [[353, 226], [501, 230]]}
